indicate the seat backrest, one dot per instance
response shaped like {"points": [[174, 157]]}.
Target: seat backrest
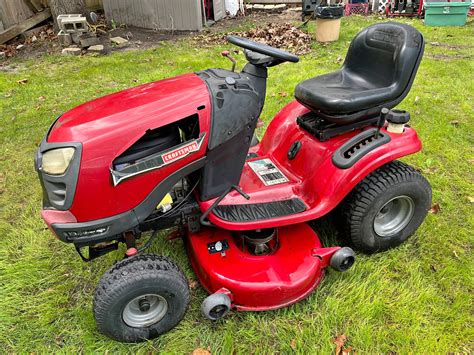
{"points": [[386, 54]]}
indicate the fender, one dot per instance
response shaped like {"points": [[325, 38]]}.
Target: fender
{"points": [[313, 177]]}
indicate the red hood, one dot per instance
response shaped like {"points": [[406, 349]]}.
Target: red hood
{"points": [[150, 105]]}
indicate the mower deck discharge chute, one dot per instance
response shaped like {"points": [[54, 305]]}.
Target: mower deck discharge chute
{"points": [[180, 154]]}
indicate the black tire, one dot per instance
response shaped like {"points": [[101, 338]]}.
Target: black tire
{"points": [[390, 182], [216, 306], [131, 279], [343, 259]]}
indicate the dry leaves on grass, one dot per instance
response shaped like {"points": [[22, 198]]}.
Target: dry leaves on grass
{"points": [[339, 341], [22, 81], [435, 208], [284, 36], [201, 351]]}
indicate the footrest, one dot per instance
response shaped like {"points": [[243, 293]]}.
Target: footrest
{"points": [[259, 211]]}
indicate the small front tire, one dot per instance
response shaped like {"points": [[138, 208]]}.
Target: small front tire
{"points": [[216, 306], [343, 259], [386, 208], [140, 298]]}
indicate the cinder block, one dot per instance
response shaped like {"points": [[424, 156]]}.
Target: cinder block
{"points": [[89, 41], [119, 41], [71, 51], [96, 49], [72, 23], [64, 38]]}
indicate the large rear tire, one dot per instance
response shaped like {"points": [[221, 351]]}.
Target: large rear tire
{"points": [[386, 208], [140, 298]]}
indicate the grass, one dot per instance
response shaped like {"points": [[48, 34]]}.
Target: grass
{"points": [[414, 299]]}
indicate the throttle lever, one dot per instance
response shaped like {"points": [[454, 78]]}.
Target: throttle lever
{"points": [[227, 55]]}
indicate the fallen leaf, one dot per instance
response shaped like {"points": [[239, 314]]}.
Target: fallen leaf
{"points": [[455, 123], [41, 98], [293, 344], [432, 267], [471, 199], [339, 341], [192, 284], [435, 208], [430, 170], [22, 81], [339, 59], [201, 351], [455, 254], [417, 98], [283, 94]]}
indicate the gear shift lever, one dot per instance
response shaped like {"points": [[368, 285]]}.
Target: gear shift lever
{"points": [[381, 121], [227, 55]]}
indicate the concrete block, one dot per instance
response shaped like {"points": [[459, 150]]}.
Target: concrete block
{"points": [[71, 51], [89, 41], [64, 38], [72, 23], [76, 37], [99, 48], [119, 41]]}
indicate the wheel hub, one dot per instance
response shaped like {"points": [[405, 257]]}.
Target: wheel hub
{"points": [[394, 216], [145, 310]]}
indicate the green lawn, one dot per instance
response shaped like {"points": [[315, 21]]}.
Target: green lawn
{"points": [[414, 299]]}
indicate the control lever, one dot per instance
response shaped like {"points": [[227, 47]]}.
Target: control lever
{"points": [[228, 56], [381, 121]]}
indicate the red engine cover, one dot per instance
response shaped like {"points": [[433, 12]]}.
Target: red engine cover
{"points": [[261, 282], [100, 125]]}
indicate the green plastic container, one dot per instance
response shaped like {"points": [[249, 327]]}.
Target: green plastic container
{"points": [[446, 13]]}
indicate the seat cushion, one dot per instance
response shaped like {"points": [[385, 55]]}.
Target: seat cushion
{"points": [[342, 92], [378, 71]]}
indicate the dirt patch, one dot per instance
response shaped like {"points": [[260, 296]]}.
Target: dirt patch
{"points": [[279, 35], [46, 42], [451, 46], [446, 57]]}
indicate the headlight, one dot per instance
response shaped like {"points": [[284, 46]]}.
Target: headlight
{"points": [[56, 161]]}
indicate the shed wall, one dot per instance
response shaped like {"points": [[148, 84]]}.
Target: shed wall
{"points": [[156, 14]]}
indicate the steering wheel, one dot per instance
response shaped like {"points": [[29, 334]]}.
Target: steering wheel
{"points": [[261, 48]]}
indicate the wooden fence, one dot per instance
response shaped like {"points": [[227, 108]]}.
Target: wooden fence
{"points": [[13, 12]]}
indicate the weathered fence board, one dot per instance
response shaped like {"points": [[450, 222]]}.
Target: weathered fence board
{"points": [[13, 12]]}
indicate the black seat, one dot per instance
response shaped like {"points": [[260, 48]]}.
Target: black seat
{"points": [[378, 72]]}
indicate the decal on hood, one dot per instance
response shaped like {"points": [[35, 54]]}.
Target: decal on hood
{"points": [[156, 161]]}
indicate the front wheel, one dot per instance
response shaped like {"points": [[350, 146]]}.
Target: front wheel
{"points": [[140, 298], [386, 207]]}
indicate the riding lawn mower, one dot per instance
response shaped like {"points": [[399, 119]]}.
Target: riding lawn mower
{"points": [[180, 155]]}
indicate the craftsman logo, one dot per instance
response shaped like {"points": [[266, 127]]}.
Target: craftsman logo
{"points": [[180, 153], [155, 161]]}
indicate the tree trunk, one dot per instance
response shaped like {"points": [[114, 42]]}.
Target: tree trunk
{"points": [[65, 7]]}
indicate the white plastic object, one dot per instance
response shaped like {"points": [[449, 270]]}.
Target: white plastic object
{"points": [[395, 127], [232, 7]]}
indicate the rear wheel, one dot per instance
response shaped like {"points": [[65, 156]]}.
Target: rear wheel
{"points": [[140, 298], [386, 207]]}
